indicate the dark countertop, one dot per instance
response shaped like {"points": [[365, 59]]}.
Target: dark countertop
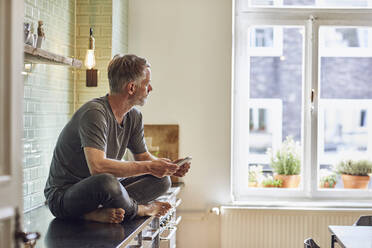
{"points": [[79, 233], [64, 233]]}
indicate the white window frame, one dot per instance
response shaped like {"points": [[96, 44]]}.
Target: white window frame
{"points": [[310, 19]]}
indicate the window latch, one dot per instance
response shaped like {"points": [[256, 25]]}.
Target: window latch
{"points": [[312, 100], [312, 95]]}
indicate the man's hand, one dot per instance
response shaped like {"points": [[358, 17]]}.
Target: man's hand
{"points": [[161, 168], [183, 169]]}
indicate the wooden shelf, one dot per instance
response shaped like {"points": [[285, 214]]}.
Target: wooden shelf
{"points": [[40, 56]]}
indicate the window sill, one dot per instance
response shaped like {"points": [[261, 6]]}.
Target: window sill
{"points": [[302, 205]]}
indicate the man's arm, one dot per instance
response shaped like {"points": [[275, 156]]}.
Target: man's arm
{"points": [[98, 163], [146, 156], [181, 171]]}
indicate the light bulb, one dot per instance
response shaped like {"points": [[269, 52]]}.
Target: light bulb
{"points": [[90, 60]]}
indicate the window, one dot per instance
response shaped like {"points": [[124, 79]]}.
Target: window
{"points": [[275, 114], [264, 40], [354, 42]]}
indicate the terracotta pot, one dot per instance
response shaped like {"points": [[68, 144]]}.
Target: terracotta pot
{"points": [[326, 185], [289, 181], [269, 186], [355, 182]]}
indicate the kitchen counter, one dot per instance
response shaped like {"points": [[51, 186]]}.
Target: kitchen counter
{"points": [[79, 233]]}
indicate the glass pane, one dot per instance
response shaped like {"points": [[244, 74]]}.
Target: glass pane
{"points": [[275, 111], [262, 2], [342, 3], [299, 2], [265, 41], [262, 37], [345, 107], [345, 37], [345, 41]]}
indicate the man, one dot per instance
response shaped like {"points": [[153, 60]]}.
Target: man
{"points": [[83, 178]]}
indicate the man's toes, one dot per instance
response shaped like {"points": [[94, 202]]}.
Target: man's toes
{"points": [[120, 217], [119, 214], [120, 211]]}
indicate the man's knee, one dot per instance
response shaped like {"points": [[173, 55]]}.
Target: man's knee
{"points": [[108, 183]]}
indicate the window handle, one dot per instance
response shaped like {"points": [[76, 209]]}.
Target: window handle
{"points": [[312, 100], [312, 95]]}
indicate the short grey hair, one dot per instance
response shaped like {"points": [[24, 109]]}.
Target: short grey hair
{"points": [[123, 69]]}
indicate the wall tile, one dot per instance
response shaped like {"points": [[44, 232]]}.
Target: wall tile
{"points": [[46, 88], [49, 90]]}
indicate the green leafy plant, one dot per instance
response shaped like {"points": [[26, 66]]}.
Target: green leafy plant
{"points": [[271, 182], [354, 167], [287, 160], [328, 181], [254, 174]]}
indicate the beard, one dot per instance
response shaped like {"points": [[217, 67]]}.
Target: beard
{"points": [[140, 101]]}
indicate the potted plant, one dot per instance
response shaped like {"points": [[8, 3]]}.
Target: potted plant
{"points": [[254, 175], [270, 182], [354, 173], [328, 180], [286, 163]]}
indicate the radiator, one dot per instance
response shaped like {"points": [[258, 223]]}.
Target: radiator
{"points": [[281, 228]]}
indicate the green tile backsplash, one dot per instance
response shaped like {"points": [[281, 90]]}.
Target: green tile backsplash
{"points": [[49, 94]]}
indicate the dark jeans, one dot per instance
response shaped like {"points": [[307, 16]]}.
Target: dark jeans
{"points": [[105, 190]]}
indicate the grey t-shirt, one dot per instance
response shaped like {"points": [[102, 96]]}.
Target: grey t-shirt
{"points": [[93, 125]]}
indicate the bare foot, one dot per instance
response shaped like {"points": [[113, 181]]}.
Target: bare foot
{"points": [[106, 215], [155, 208]]}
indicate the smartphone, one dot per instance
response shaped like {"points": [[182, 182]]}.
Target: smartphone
{"points": [[184, 161]]}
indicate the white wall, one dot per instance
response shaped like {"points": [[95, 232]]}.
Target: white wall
{"points": [[189, 45]]}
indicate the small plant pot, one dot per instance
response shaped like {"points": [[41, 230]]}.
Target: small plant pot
{"points": [[289, 181], [326, 185], [355, 182], [270, 186]]}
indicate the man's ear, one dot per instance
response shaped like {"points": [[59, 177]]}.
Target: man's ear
{"points": [[131, 88]]}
